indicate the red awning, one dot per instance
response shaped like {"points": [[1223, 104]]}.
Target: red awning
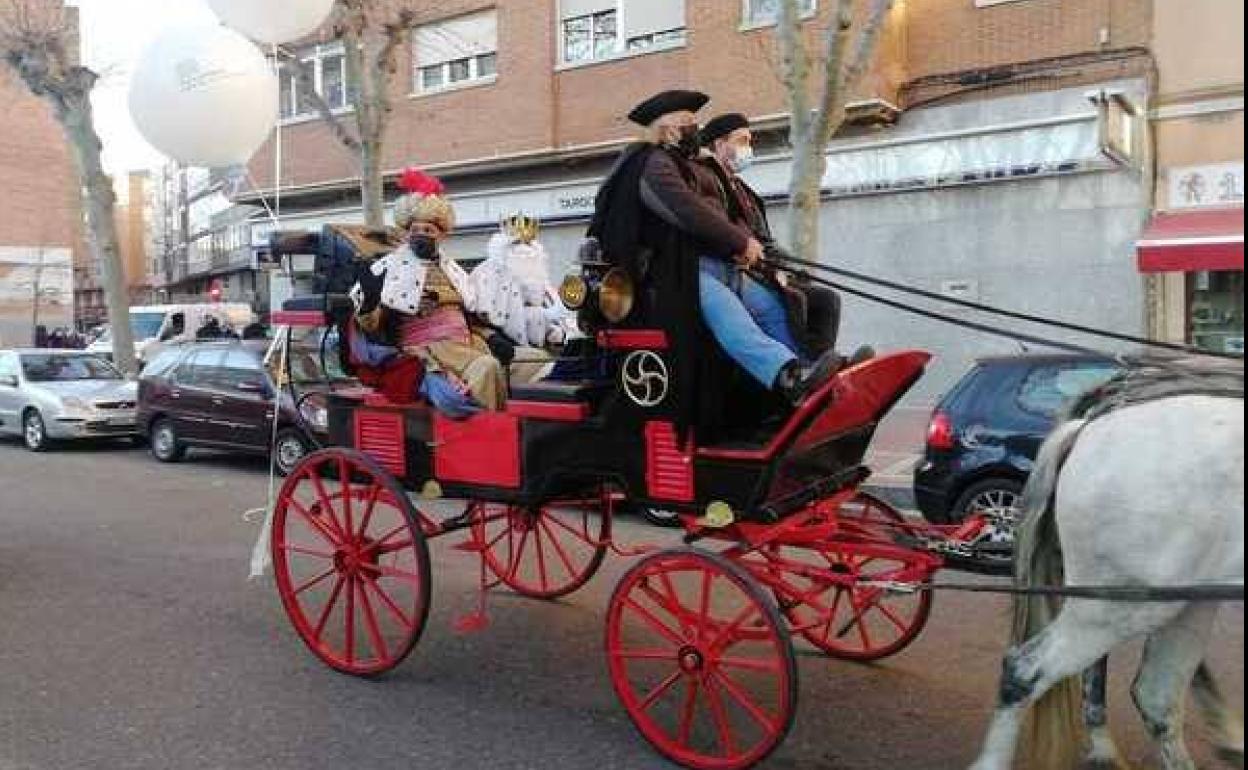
{"points": [[1190, 241]]}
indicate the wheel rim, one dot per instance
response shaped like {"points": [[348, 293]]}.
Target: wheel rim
{"points": [[350, 561], [163, 441], [544, 552], [34, 431], [1000, 507], [701, 661], [821, 595], [290, 451]]}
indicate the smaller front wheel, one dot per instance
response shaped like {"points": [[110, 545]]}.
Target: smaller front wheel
{"points": [[166, 445], [34, 431], [701, 660]]}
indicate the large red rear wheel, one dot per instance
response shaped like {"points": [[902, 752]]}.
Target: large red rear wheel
{"points": [[701, 660], [351, 562], [833, 595], [544, 551]]}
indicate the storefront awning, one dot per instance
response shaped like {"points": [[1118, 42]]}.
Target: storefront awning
{"points": [[1191, 241]]}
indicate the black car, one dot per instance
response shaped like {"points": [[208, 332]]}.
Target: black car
{"points": [[984, 435], [220, 395]]}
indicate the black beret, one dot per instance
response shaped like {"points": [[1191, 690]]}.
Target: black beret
{"points": [[723, 125], [669, 101]]}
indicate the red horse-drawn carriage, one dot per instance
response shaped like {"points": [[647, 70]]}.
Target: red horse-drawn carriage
{"points": [[780, 541]]}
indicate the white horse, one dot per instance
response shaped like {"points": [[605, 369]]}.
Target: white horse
{"points": [[1144, 489]]}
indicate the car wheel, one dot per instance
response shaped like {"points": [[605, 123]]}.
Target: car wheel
{"points": [[166, 446], [1000, 499], [289, 449], [34, 431], [660, 517]]}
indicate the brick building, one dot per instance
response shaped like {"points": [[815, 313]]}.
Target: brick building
{"points": [[1000, 149], [39, 242]]}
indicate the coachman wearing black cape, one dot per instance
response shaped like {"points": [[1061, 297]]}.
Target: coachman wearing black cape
{"points": [[656, 215], [662, 259]]}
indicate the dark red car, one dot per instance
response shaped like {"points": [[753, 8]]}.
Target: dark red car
{"points": [[220, 395]]}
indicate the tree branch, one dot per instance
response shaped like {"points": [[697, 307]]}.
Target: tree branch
{"points": [[832, 97], [794, 68]]}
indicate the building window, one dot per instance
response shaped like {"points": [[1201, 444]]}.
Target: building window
{"points": [[456, 52], [597, 30], [324, 68], [760, 13]]}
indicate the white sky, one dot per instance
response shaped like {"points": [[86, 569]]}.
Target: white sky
{"points": [[114, 33]]}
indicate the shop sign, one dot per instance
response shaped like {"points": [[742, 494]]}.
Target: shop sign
{"points": [[1217, 184]]}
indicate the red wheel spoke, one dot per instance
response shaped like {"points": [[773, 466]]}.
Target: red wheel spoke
{"points": [[366, 518], [687, 711], [743, 699], [394, 547], [658, 691], [746, 664], [329, 606], [720, 716], [516, 555], [704, 603], [330, 537], [313, 581], [677, 607], [554, 541], [392, 572], [583, 536], [892, 617], [349, 621], [391, 533], [748, 612], [370, 623], [328, 504], [344, 478], [541, 558], [673, 607], [647, 654], [306, 551], [654, 622], [388, 603]]}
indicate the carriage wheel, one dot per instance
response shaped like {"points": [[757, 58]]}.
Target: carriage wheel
{"points": [[867, 515], [701, 660], [820, 594], [351, 562], [546, 551]]}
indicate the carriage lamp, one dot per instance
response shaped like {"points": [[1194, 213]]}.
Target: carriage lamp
{"points": [[616, 295], [573, 292]]}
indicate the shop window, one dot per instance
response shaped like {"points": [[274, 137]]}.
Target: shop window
{"points": [[1215, 302]]}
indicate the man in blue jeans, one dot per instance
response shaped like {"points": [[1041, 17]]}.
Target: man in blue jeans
{"points": [[746, 318]]}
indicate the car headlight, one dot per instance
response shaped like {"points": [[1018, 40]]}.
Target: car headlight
{"points": [[316, 415]]}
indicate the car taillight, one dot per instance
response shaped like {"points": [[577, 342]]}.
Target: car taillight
{"points": [[940, 432]]}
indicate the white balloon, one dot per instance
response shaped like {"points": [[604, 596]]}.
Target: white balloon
{"points": [[204, 95], [271, 21]]}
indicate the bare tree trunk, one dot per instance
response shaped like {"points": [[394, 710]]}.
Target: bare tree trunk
{"points": [[99, 199], [811, 130]]}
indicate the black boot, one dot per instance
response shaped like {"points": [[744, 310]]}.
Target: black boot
{"points": [[795, 383]]}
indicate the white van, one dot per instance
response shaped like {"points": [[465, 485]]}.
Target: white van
{"points": [[155, 326]]}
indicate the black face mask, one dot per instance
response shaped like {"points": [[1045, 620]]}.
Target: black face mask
{"points": [[423, 246], [689, 144]]}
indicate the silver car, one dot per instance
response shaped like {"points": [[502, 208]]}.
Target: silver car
{"points": [[48, 395]]}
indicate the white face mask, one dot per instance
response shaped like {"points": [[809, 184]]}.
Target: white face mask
{"points": [[742, 158]]}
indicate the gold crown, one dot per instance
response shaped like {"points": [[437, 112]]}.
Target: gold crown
{"points": [[521, 228]]}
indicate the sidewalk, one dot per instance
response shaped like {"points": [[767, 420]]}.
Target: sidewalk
{"points": [[896, 449]]}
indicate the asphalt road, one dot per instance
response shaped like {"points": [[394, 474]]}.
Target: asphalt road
{"points": [[131, 638]]}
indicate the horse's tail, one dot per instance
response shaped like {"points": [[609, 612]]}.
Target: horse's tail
{"points": [[1054, 732]]}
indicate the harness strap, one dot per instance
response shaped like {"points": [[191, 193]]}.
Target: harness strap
{"points": [[1209, 592]]}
